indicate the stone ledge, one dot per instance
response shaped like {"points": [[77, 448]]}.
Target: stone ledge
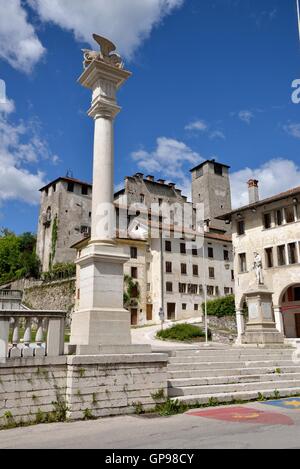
{"points": [[33, 362], [117, 359]]}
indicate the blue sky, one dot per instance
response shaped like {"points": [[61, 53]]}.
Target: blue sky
{"points": [[211, 78]]}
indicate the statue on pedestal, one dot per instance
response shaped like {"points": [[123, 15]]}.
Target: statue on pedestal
{"points": [[105, 54], [258, 267]]}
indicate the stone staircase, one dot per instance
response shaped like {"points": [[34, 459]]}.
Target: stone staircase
{"points": [[241, 374]]}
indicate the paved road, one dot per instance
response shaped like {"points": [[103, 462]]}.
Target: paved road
{"points": [[249, 426]]}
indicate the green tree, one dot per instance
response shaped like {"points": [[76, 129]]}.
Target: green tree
{"points": [[17, 256], [131, 292]]}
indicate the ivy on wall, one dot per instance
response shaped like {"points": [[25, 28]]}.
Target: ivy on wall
{"points": [[53, 241]]}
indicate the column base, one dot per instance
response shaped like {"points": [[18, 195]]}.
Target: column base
{"points": [[262, 336]]}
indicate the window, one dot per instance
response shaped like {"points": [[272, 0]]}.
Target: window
{"points": [[243, 262], [196, 307], [160, 202], [232, 275], [168, 267], [168, 246], [134, 272], [195, 252], [182, 248], [227, 291], [297, 294], [195, 270], [183, 306], [183, 269], [70, 187], [292, 250], [86, 230], [218, 169], [133, 252], [142, 198], [241, 227], [281, 255], [193, 289], [199, 173], [84, 190], [210, 290], [211, 272], [182, 287], [267, 221], [211, 253], [54, 187], [169, 287], [278, 217], [289, 214], [90, 214], [226, 255], [269, 257]]}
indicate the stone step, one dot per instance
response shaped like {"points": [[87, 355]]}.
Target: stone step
{"points": [[213, 380], [182, 374], [237, 396], [231, 388], [226, 365], [229, 358], [230, 351]]}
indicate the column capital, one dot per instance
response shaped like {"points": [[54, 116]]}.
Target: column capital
{"points": [[103, 109]]}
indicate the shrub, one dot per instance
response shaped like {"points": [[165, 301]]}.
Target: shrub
{"points": [[182, 333], [221, 307]]}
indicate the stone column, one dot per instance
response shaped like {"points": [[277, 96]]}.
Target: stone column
{"points": [[240, 323], [101, 324], [279, 320]]}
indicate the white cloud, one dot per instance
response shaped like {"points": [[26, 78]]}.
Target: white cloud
{"points": [[20, 46], [270, 176], [21, 147], [246, 116], [7, 107], [199, 125], [217, 134], [292, 129], [168, 160], [126, 22]]}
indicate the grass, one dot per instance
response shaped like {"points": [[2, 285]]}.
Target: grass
{"points": [[182, 333]]}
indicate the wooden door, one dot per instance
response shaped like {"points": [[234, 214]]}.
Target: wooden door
{"points": [[134, 316], [149, 312], [171, 311], [297, 321]]}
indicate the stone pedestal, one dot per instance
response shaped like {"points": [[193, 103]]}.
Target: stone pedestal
{"points": [[261, 327]]}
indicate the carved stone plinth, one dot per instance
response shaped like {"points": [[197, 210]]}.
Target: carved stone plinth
{"points": [[261, 327]]}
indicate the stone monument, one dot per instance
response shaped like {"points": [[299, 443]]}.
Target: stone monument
{"points": [[261, 327], [101, 324]]}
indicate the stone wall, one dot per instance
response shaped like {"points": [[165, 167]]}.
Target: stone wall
{"points": [[58, 295], [77, 387]]}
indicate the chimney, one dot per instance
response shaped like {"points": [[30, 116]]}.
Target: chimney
{"points": [[253, 191], [171, 184], [161, 181], [139, 175], [150, 178]]}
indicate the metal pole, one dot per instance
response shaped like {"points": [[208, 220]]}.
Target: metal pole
{"points": [[298, 15], [205, 293]]}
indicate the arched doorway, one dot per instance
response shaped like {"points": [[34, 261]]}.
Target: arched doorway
{"points": [[290, 308]]}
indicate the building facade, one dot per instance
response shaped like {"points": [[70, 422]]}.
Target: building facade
{"points": [[271, 229], [169, 273]]}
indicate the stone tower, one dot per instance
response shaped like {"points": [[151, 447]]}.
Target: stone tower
{"points": [[211, 187]]}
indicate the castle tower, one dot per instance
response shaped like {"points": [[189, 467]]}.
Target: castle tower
{"points": [[211, 187]]}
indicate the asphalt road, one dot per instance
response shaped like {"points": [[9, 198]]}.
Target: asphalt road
{"points": [[249, 426]]}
